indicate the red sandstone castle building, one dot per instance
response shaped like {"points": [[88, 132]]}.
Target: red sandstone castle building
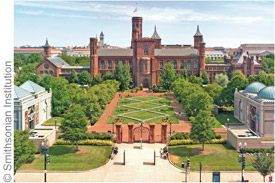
{"points": [[146, 58]]}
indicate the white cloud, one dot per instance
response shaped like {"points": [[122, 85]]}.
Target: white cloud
{"points": [[31, 12], [125, 12]]}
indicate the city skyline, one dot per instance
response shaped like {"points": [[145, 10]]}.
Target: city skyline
{"points": [[227, 24]]}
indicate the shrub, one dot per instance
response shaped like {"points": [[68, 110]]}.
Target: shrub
{"points": [[218, 136], [260, 150], [98, 136], [180, 136], [86, 142], [181, 142], [217, 141]]}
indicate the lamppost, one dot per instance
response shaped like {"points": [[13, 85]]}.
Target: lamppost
{"points": [[170, 121], [243, 151], [228, 122], [45, 149], [55, 122], [113, 126]]}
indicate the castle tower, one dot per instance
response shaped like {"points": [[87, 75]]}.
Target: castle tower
{"points": [[197, 38], [136, 29], [157, 39], [202, 56], [47, 49], [93, 57], [101, 40]]}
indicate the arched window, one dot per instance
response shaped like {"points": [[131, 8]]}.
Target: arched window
{"points": [[188, 65], [51, 73], [109, 64], [130, 64], [123, 62], [41, 73], [46, 72], [181, 64], [145, 67], [175, 64], [145, 50], [116, 63], [195, 64], [161, 64], [102, 65]]}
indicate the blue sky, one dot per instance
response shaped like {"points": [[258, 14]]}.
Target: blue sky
{"points": [[72, 23]]}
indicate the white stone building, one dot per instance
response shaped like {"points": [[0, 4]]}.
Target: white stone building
{"points": [[32, 105]]}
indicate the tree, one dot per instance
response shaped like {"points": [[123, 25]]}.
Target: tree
{"points": [[74, 125], [123, 76], [227, 96], [201, 129], [60, 97], [237, 73], [197, 101], [268, 64], [196, 80], [97, 79], [263, 77], [168, 76], [221, 79], [22, 78], [264, 164], [85, 78], [24, 149], [108, 76], [74, 77], [183, 74], [205, 78], [214, 90], [46, 82]]}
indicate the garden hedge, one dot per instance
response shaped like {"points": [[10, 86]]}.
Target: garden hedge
{"points": [[94, 142]]}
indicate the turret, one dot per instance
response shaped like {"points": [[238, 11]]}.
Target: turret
{"points": [[197, 38], [93, 57], [136, 29], [157, 39], [202, 56], [47, 49]]}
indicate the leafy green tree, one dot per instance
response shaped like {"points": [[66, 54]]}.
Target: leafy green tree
{"points": [[74, 125], [263, 164], [25, 77], [214, 90], [83, 61], [207, 60], [69, 59], [123, 76], [196, 80], [237, 73], [221, 79], [183, 74], [60, 97], [168, 76], [108, 76], [75, 93], [268, 64], [197, 101], [24, 149], [85, 78], [227, 96], [74, 77], [46, 82], [263, 77], [97, 80], [202, 128], [205, 78]]}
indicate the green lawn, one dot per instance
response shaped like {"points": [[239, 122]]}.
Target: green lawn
{"points": [[221, 119], [51, 121], [61, 159], [222, 158], [144, 115], [143, 105]]}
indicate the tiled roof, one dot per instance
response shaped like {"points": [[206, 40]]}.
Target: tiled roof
{"points": [[240, 59], [59, 62], [32, 87], [115, 52], [176, 52], [20, 93], [75, 67]]}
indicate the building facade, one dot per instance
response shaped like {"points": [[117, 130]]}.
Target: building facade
{"points": [[146, 58], [254, 107], [32, 105]]}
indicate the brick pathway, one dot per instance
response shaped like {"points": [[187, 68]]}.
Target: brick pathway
{"points": [[101, 125]]}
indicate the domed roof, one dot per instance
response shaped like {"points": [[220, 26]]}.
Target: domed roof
{"points": [[267, 92], [254, 87]]}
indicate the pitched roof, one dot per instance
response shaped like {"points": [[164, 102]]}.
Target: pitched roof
{"points": [[20, 93], [198, 33], [155, 35], [32, 87], [240, 59], [57, 61], [176, 52], [115, 52], [47, 44]]}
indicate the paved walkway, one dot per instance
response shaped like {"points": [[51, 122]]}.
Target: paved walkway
{"points": [[138, 168]]}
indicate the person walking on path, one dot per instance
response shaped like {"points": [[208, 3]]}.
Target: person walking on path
{"points": [[160, 152]]}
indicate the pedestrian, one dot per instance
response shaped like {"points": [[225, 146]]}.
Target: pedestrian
{"points": [[119, 94], [160, 151]]}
